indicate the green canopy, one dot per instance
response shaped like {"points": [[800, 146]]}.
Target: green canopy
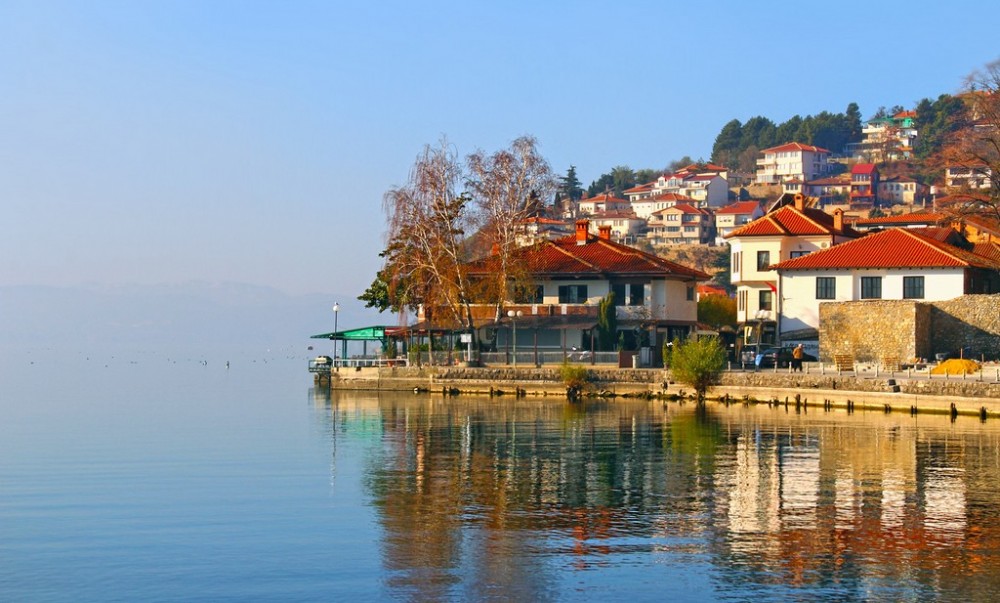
{"points": [[376, 333]]}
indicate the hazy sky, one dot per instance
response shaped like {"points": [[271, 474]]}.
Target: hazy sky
{"points": [[160, 142]]}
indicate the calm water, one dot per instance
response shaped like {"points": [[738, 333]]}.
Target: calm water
{"points": [[159, 476]]}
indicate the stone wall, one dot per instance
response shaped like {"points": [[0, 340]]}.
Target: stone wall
{"points": [[873, 330], [970, 323]]}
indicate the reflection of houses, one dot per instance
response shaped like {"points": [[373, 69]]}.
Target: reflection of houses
{"points": [[679, 224], [893, 264], [789, 230], [570, 276]]}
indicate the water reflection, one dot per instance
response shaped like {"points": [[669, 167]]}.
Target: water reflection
{"points": [[478, 498]]}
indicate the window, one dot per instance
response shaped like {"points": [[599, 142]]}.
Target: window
{"points": [[797, 254], [871, 287], [826, 287], [763, 260], [690, 293], [628, 294], [913, 287], [765, 300], [572, 294]]}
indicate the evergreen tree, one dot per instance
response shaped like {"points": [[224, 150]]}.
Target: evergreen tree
{"points": [[569, 185]]}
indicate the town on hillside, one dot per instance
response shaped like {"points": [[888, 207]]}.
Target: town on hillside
{"points": [[812, 247]]}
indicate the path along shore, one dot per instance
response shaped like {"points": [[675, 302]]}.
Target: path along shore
{"points": [[957, 394]]}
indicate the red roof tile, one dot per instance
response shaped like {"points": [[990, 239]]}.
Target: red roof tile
{"points": [[673, 197], [863, 168], [789, 221], [929, 218], [893, 248], [740, 207], [597, 258], [795, 146]]}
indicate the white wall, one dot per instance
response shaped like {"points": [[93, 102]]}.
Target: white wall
{"points": [[800, 308]]}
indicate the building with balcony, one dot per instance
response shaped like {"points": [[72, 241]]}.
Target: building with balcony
{"points": [[864, 185], [792, 162], [886, 138], [731, 217], [678, 225], [566, 279]]}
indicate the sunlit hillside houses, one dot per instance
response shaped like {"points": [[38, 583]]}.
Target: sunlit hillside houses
{"points": [[538, 228], [645, 207], [902, 190], [624, 225], [792, 164], [707, 185], [886, 138], [864, 185], [589, 206]]}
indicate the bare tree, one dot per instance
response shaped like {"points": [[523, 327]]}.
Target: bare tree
{"points": [[507, 188], [427, 221], [976, 147]]}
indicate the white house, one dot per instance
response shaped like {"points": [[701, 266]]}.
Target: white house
{"points": [[600, 203], [899, 263], [679, 224], [624, 224], [792, 162], [789, 231], [647, 206]]}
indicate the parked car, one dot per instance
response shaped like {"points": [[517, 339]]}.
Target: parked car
{"points": [[783, 356]]}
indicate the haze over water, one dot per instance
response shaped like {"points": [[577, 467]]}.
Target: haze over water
{"points": [[161, 475]]}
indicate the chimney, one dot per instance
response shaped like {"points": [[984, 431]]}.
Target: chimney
{"points": [[604, 232], [582, 226], [838, 220], [800, 201]]}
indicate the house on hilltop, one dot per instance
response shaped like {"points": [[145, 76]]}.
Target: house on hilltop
{"points": [[793, 164]]}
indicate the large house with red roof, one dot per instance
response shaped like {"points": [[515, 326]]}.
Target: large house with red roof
{"points": [[567, 278], [793, 163], [600, 203], [790, 231], [894, 264], [707, 185]]}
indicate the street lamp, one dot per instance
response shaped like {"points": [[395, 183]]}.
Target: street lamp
{"points": [[336, 313], [513, 316]]}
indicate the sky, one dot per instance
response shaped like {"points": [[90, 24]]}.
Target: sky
{"points": [[151, 143]]}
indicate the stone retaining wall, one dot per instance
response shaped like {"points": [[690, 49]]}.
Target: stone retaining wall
{"points": [[873, 330]]}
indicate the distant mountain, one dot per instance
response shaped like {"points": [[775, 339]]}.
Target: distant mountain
{"points": [[181, 314]]}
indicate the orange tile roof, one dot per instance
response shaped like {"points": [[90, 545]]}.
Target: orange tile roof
{"points": [[911, 218], [740, 207], [673, 197], [683, 208], [893, 248], [789, 221], [795, 146], [864, 168], [597, 258], [987, 250]]}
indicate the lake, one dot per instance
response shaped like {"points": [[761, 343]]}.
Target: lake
{"points": [[160, 475]]}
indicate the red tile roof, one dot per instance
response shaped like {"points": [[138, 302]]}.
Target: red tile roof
{"points": [[929, 218], [987, 250], [893, 248], [789, 221], [639, 188], [740, 207], [795, 146], [863, 168], [674, 197], [597, 258], [840, 180], [683, 208]]}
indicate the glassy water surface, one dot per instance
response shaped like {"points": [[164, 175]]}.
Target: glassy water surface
{"points": [[164, 476]]}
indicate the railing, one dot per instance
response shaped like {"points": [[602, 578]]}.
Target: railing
{"points": [[528, 357], [326, 365]]}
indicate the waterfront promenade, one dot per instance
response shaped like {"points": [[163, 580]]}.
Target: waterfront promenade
{"points": [[863, 388]]}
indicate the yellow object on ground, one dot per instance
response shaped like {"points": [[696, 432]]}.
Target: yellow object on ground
{"points": [[956, 366]]}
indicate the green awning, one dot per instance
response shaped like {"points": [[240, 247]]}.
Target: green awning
{"points": [[376, 333]]}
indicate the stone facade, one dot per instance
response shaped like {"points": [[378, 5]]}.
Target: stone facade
{"points": [[874, 330]]}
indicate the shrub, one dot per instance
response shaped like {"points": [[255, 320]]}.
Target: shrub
{"points": [[698, 362], [576, 378]]}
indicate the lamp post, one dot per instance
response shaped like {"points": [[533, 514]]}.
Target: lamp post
{"points": [[513, 316], [336, 313]]}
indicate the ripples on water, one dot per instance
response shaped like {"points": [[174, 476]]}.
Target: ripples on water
{"points": [[159, 478]]}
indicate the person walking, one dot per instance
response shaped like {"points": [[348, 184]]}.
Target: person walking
{"points": [[797, 358]]}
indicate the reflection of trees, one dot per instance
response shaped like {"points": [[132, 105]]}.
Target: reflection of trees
{"points": [[490, 497]]}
